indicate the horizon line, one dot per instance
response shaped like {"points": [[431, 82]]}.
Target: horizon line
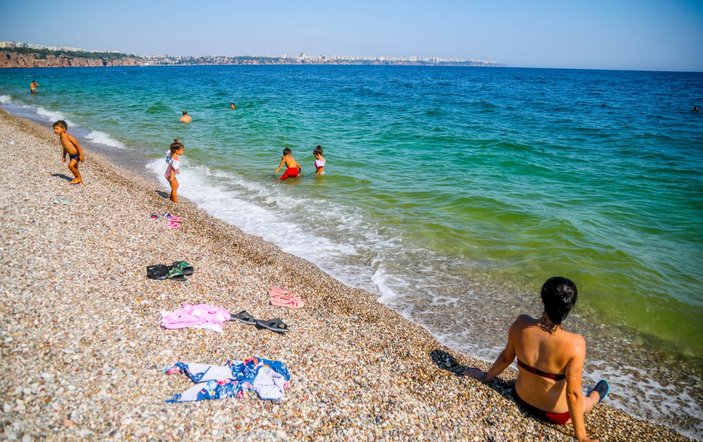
{"points": [[303, 56]]}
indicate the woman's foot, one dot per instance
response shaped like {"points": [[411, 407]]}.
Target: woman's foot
{"points": [[602, 388]]}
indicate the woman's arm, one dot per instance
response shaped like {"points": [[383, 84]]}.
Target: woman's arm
{"points": [[506, 357], [574, 396]]}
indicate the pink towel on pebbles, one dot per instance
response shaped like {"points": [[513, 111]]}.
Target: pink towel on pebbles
{"points": [[205, 316]]}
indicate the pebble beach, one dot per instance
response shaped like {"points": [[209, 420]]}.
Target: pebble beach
{"points": [[82, 351]]}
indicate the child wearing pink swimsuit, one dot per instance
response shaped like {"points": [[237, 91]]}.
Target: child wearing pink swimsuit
{"points": [[319, 161]]}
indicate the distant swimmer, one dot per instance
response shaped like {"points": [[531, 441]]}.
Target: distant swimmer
{"points": [[232, 106], [33, 87], [293, 169], [696, 109], [185, 118]]}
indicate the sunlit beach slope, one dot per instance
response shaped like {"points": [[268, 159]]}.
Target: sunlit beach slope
{"points": [[82, 348]]}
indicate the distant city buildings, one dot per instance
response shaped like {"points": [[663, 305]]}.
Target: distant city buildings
{"points": [[301, 58]]}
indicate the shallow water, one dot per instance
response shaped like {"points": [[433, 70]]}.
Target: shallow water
{"points": [[452, 193]]}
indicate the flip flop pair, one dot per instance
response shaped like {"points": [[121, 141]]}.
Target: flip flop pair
{"points": [[177, 271], [171, 217], [284, 298], [174, 221], [161, 272], [275, 325]]}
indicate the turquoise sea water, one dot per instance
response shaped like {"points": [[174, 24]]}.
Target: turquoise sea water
{"points": [[452, 193]]}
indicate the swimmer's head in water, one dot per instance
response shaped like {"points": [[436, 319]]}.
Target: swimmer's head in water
{"points": [[185, 112], [559, 297], [317, 150], [287, 151]]}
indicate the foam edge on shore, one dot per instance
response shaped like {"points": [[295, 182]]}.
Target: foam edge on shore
{"points": [[82, 348]]}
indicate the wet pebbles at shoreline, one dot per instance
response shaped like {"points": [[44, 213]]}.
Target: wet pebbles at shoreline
{"points": [[82, 350]]}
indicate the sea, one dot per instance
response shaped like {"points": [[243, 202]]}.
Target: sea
{"points": [[451, 193]]}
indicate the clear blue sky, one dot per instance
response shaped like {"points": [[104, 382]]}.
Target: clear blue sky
{"points": [[609, 34]]}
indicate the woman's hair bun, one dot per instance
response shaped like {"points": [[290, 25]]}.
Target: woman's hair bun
{"points": [[559, 296]]}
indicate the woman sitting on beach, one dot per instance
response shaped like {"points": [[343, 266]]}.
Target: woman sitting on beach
{"points": [[550, 361]]}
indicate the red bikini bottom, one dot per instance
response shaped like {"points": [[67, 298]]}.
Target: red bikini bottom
{"points": [[554, 418]]}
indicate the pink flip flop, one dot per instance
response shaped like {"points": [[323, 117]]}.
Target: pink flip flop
{"points": [[284, 298], [287, 302]]}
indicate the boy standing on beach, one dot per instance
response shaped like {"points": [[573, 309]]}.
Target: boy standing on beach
{"points": [[70, 147], [293, 168]]}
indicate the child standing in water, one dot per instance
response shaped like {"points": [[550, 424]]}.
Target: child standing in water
{"points": [[173, 160], [70, 148], [293, 168], [319, 161]]}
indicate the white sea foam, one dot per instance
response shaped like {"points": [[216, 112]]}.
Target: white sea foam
{"points": [[5, 99], [632, 388], [50, 115], [344, 243], [227, 196], [103, 138], [380, 280]]}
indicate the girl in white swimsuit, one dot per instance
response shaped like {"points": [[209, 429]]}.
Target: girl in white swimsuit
{"points": [[173, 160], [319, 161]]}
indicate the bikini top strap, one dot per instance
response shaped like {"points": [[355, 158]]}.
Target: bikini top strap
{"points": [[538, 372]]}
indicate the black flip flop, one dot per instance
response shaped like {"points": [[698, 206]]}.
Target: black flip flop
{"points": [[244, 317], [158, 271], [275, 325]]}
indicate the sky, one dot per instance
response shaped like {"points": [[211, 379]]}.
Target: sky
{"points": [[590, 34]]}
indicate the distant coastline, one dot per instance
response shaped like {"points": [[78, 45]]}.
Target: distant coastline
{"points": [[27, 55]]}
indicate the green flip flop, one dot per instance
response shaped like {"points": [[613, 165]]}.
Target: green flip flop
{"points": [[176, 274], [184, 267]]}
